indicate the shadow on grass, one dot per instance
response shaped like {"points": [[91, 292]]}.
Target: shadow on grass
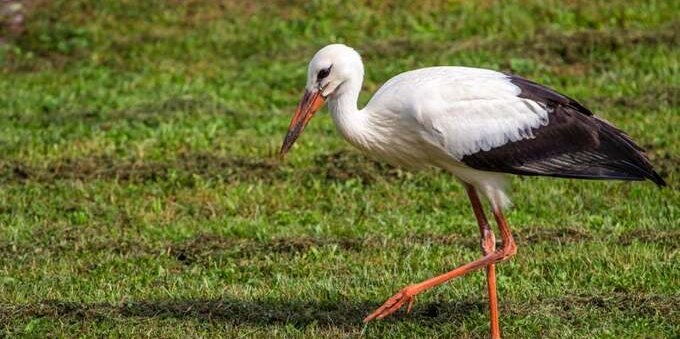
{"points": [[345, 315], [341, 314], [185, 167]]}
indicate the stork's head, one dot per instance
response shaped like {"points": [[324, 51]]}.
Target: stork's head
{"points": [[330, 68]]}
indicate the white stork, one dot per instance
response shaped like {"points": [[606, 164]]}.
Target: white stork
{"points": [[478, 124]]}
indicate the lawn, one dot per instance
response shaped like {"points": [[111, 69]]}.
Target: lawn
{"points": [[141, 195]]}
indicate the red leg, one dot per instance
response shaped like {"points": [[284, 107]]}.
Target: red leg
{"points": [[407, 294], [488, 244]]}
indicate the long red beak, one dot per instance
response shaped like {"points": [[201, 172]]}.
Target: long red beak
{"points": [[310, 103]]}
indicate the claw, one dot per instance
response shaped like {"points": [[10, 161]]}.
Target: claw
{"points": [[393, 304], [410, 304]]}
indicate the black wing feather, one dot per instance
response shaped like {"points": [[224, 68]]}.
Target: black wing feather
{"points": [[574, 144]]}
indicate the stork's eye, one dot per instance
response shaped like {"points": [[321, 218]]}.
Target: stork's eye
{"points": [[323, 73]]}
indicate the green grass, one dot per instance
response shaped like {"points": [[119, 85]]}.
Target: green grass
{"points": [[140, 194]]}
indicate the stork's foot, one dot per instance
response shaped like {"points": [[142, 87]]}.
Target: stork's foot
{"points": [[406, 295]]}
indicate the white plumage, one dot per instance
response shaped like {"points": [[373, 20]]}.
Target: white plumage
{"points": [[433, 117], [448, 103], [472, 122]]}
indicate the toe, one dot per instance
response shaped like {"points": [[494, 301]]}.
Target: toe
{"points": [[391, 305]]}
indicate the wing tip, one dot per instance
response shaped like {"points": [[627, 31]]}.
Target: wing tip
{"points": [[657, 179]]}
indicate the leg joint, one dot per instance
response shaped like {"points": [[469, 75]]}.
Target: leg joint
{"points": [[508, 250], [488, 241]]}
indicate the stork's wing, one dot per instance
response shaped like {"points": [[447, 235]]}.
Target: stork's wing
{"points": [[536, 131]]}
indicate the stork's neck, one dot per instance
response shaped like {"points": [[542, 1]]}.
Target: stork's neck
{"points": [[351, 122], [344, 100]]}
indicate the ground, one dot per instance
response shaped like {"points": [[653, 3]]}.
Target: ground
{"points": [[140, 194]]}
